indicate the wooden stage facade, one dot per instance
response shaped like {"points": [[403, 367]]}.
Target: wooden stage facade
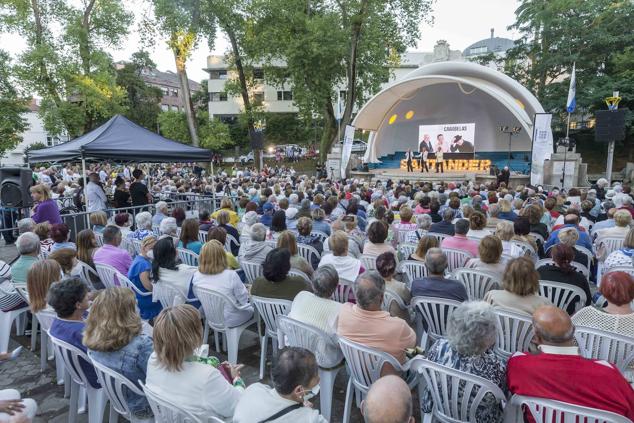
{"points": [[480, 177]]}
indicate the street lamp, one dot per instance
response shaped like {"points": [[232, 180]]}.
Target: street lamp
{"points": [[510, 130]]}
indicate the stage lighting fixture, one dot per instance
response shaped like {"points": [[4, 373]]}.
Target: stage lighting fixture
{"points": [[392, 119], [409, 115]]}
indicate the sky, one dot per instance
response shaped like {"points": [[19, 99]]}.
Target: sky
{"points": [[460, 22]]}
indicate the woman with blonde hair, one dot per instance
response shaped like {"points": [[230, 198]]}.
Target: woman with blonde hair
{"points": [[98, 221], [39, 279], [489, 256], [424, 244], [114, 338], [227, 205], [45, 209], [43, 231], [174, 371], [214, 273], [347, 267], [67, 259], [505, 231], [520, 284], [506, 210], [287, 240], [86, 247]]}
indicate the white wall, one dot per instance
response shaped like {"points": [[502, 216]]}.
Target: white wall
{"points": [[35, 134]]}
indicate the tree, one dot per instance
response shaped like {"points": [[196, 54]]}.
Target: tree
{"points": [[12, 108], [143, 101], [173, 125], [214, 135], [200, 98]]}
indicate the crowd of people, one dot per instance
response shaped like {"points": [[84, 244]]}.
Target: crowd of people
{"points": [[358, 232]]}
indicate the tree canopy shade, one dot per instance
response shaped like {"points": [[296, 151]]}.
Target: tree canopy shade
{"points": [[121, 140]]}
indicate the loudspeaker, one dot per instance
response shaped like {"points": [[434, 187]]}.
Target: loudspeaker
{"points": [[610, 125], [257, 139], [14, 186]]}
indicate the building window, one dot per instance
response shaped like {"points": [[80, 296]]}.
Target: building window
{"points": [[218, 74], [165, 107], [258, 73], [174, 93], [166, 91], [258, 98], [477, 50], [284, 96], [343, 94], [219, 96]]}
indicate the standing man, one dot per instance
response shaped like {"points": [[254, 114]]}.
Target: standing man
{"points": [[96, 199], [138, 190], [409, 157], [440, 161], [422, 160]]}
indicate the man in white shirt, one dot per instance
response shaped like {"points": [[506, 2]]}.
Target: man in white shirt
{"points": [[96, 199], [296, 380]]}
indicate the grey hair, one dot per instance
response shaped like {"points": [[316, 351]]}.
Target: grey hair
{"points": [[250, 218], [258, 232], [462, 226], [436, 261], [448, 215], [367, 294], [494, 210], [28, 243], [161, 205], [472, 328], [325, 281], [168, 226], [26, 225], [424, 221], [143, 220]]}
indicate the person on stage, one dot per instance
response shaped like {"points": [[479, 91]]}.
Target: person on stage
{"points": [[460, 145], [422, 161], [409, 156], [440, 162]]}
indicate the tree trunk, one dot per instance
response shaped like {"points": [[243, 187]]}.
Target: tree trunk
{"points": [[50, 88], [185, 95], [329, 134]]}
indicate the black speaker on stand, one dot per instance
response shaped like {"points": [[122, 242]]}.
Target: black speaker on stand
{"points": [[14, 187], [610, 125]]}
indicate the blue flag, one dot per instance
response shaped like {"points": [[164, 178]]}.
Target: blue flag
{"points": [[572, 91]]}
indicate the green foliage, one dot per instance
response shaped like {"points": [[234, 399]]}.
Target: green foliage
{"points": [[287, 128], [200, 98], [12, 108], [143, 101], [213, 134], [173, 125]]}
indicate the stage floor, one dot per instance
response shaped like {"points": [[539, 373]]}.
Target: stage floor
{"points": [[398, 174]]}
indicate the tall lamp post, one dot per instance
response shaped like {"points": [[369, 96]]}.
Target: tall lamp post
{"points": [[510, 130]]}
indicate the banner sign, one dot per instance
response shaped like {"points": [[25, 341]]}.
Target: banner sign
{"points": [[542, 146], [348, 137], [448, 137]]}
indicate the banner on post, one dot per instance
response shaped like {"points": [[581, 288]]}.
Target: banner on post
{"points": [[542, 146], [348, 138]]}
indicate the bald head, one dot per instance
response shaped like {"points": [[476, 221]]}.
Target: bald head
{"points": [[553, 326], [389, 400]]}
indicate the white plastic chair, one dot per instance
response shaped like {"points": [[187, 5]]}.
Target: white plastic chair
{"points": [[390, 297], [626, 269], [526, 248], [166, 294], [87, 274], [364, 366], [546, 410], [538, 238], [456, 394], [300, 274], [270, 309], [456, 259], [252, 270], [440, 237], [368, 262], [515, 333], [107, 275], [167, 412], [126, 244], [608, 346], [435, 313], [342, 291], [406, 250], [214, 304], [608, 244], [99, 238], [414, 269], [309, 253], [562, 294], [116, 386], [231, 242], [136, 246], [299, 334], [477, 282], [72, 357], [110, 273], [6, 322], [188, 257], [578, 266], [322, 236], [589, 254], [202, 236]]}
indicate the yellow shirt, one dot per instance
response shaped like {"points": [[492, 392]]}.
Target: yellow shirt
{"points": [[233, 216]]}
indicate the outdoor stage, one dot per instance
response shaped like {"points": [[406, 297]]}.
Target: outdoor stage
{"points": [[479, 177]]}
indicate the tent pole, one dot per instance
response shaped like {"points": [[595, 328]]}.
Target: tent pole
{"points": [[83, 172], [213, 187]]}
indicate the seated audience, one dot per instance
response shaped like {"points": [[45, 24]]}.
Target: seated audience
{"points": [[562, 271], [214, 273], [489, 256], [287, 240], [140, 274], [189, 236], [505, 231], [436, 285], [445, 226], [561, 374], [114, 337], [569, 237], [295, 382], [506, 210], [365, 322], [86, 247], [391, 390], [28, 246], [423, 221], [570, 221], [122, 221], [98, 221], [162, 212], [521, 229], [110, 253], [377, 234], [168, 227], [405, 226], [520, 288], [176, 374], [67, 259], [354, 250], [59, 235], [223, 220], [179, 215], [204, 221], [386, 266], [425, 243], [278, 225], [167, 268], [143, 222], [469, 347], [39, 280], [459, 240], [348, 267], [43, 231], [256, 249], [220, 235], [477, 225], [319, 221], [226, 205], [305, 236], [622, 225], [276, 282], [622, 256]]}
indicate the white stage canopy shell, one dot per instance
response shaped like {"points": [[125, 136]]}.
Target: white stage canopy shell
{"points": [[445, 93]]}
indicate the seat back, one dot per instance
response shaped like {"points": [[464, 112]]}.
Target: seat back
{"points": [[515, 333], [72, 357], [343, 290], [322, 236], [303, 335], [435, 313], [167, 412], [126, 244], [456, 259], [438, 236], [107, 275], [213, 302], [309, 253], [231, 243], [546, 411], [608, 346], [300, 274], [626, 269], [539, 239], [202, 236], [87, 274], [526, 248], [136, 246], [364, 363], [477, 282], [99, 238], [608, 244], [390, 297], [578, 266], [45, 317], [188, 257], [270, 309], [116, 387], [368, 262], [456, 394], [166, 294], [562, 294], [414, 270], [585, 252], [406, 250], [251, 270]]}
